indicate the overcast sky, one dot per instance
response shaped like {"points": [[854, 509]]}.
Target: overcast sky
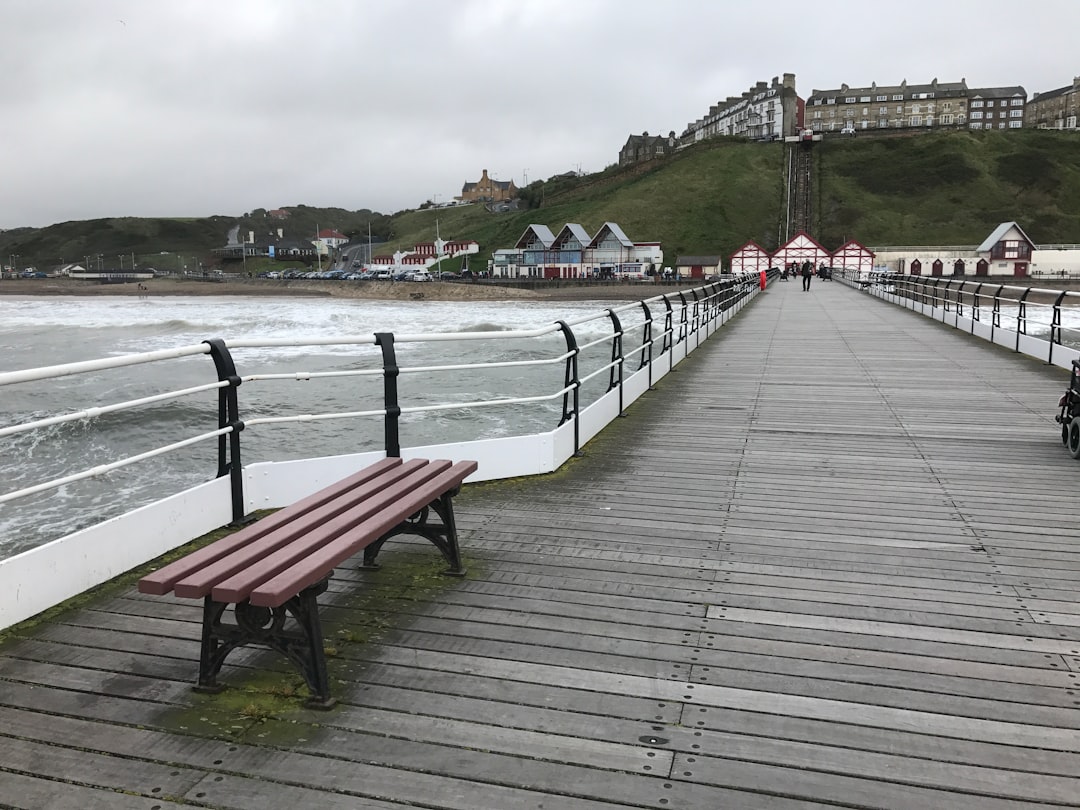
{"points": [[196, 107]]}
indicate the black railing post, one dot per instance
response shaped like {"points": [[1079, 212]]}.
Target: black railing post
{"points": [[669, 328], [682, 319], [615, 377], [695, 324], [995, 314], [571, 380], [229, 459], [647, 342], [1055, 325], [976, 307], [1021, 316], [391, 426], [948, 289]]}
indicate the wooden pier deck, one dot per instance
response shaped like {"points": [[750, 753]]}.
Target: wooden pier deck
{"points": [[830, 561]]}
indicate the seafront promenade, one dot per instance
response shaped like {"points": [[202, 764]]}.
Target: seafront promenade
{"points": [[832, 560]]}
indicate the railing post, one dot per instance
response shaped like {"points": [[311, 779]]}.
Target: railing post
{"points": [[615, 378], [669, 327], [229, 459], [647, 342], [682, 319], [695, 324], [571, 380], [948, 289], [995, 314], [976, 307], [391, 421], [1021, 316], [1055, 325]]}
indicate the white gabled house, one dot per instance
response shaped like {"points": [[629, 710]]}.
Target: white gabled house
{"points": [[539, 253]]}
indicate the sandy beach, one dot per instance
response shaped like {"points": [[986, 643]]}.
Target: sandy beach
{"points": [[374, 290]]}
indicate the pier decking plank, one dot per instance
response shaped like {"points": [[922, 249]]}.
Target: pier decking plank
{"points": [[828, 562]]}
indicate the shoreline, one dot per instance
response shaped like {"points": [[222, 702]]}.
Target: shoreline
{"points": [[301, 288]]}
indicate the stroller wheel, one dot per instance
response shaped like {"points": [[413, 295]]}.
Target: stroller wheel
{"points": [[1065, 433], [1074, 438]]}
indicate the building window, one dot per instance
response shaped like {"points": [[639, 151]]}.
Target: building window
{"points": [[864, 99], [946, 106], [817, 113], [849, 100], [1017, 102], [976, 116], [1015, 124], [1001, 125], [883, 111], [1016, 113], [883, 123], [1070, 122], [881, 98], [831, 101], [899, 109], [898, 97], [946, 119], [832, 113], [915, 108], [849, 113], [929, 120], [915, 121], [975, 104], [990, 103], [975, 125]]}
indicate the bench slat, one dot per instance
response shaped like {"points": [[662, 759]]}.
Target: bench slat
{"points": [[315, 566], [163, 580], [233, 578], [339, 512]]}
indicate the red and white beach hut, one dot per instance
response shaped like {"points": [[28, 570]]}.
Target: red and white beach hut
{"points": [[800, 248], [853, 258], [751, 258]]}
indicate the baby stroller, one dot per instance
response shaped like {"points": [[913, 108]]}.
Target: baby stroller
{"points": [[1069, 417]]}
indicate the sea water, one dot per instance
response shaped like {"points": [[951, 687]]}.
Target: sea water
{"points": [[37, 332]]}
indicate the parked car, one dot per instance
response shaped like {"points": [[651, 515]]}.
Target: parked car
{"points": [[421, 275], [384, 275], [445, 276]]}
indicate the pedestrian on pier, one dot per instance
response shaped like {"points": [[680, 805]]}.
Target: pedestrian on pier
{"points": [[807, 273]]}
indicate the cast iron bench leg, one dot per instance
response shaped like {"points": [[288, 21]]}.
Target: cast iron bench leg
{"points": [[266, 626], [443, 536]]}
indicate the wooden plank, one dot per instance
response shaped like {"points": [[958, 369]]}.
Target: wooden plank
{"points": [[834, 570]]}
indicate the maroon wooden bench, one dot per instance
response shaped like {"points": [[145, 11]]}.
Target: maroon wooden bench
{"points": [[273, 571]]}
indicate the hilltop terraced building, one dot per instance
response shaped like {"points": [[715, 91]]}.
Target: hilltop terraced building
{"points": [[915, 107], [1055, 109]]}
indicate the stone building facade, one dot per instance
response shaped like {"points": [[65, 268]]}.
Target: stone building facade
{"points": [[1055, 109]]}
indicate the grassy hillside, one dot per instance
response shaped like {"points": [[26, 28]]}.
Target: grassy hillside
{"points": [[709, 199], [947, 188]]}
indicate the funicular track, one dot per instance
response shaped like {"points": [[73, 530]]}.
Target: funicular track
{"points": [[800, 188]]}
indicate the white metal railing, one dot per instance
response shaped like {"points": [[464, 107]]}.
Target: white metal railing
{"points": [[622, 352], [1041, 323]]}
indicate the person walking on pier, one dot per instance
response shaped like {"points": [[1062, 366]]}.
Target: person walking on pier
{"points": [[807, 273]]}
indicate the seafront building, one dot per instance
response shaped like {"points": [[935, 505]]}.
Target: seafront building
{"points": [[572, 253]]}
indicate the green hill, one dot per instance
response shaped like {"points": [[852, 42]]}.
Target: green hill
{"points": [[944, 188]]}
